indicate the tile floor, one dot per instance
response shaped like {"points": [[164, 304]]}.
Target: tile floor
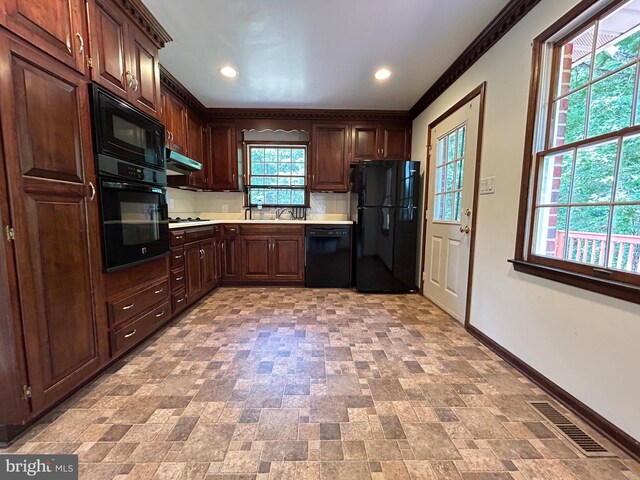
{"points": [[313, 384]]}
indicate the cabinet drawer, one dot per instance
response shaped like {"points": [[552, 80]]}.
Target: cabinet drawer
{"points": [[270, 229], [196, 234], [230, 229], [179, 301], [177, 257], [217, 229], [177, 237], [133, 305], [177, 279], [130, 335]]}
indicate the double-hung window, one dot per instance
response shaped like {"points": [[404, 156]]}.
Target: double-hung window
{"points": [[281, 169], [580, 215]]}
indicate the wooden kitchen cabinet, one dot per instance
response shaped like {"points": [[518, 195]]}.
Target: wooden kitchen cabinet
{"points": [[50, 169], [59, 28], [256, 261], [287, 258], [124, 59], [329, 162], [193, 264], [175, 117], [380, 142], [230, 252], [272, 254], [193, 271], [223, 152]]}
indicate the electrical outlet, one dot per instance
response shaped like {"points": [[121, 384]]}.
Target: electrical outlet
{"points": [[322, 209], [225, 208], [172, 203], [487, 185]]}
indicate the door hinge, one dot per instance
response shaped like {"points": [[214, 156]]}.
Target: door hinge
{"points": [[429, 148], [26, 392], [89, 62], [11, 233]]}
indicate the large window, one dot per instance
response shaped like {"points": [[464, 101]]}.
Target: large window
{"points": [[282, 170], [583, 195]]}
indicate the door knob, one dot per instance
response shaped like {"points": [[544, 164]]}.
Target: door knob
{"points": [[466, 229]]}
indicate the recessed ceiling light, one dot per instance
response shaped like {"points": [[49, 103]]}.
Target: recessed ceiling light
{"points": [[382, 74], [229, 72]]}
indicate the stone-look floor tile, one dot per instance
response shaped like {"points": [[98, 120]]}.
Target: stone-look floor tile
{"points": [[291, 383], [344, 470]]}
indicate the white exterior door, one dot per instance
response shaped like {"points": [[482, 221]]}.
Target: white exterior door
{"points": [[452, 167]]}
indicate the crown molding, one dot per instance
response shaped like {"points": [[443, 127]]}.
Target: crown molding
{"points": [[146, 21], [177, 89], [509, 16], [392, 116]]}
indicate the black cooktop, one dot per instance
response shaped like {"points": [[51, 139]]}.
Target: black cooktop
{"points": [[188, 219]]}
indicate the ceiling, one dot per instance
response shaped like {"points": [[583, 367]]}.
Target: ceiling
{"points": [[316, 54]]}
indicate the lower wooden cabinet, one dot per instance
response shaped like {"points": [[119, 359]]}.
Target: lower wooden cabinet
{"points": [[272, 254], [194, 265], [230, 252]]}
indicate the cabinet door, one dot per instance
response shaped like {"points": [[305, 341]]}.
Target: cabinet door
{"points": [[196, 149], [223, 167], [364, 143], [50, 168], [329, 162], [394, 143], [193, 270], [287, 261], [109, 44], [208, 264], [230, 258], [145, 74], [255, 257], [57, 27], [178, 133]]}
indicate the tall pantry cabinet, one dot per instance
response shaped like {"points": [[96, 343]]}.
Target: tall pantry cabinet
{"points": [[53, 324]]}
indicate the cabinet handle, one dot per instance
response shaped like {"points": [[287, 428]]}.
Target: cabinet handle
{"points": [[179, 278], [170, 134], [159, 291], [128, 307], [180, 301], [178, 237], [128, 76], [160, 314], [93, 191], [134, 83], [81, 47], [131, 334], [177, 257]]}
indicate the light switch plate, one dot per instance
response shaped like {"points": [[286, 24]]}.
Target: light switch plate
{"points": [[225, 208], [322, 209], [172, 203], [487, 185]]}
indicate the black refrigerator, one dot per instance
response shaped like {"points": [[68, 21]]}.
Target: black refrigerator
{"points": [[384, 209]]}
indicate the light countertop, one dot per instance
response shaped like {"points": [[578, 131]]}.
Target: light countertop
{"points": [[268, 222]]}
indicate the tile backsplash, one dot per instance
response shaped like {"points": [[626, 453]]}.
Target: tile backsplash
{"points": [[184, 203]]}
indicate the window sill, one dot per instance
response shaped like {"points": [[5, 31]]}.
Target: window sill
{"points": [[623, 291]]}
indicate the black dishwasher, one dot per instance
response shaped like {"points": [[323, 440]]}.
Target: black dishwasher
{"points": [[328, 256]]}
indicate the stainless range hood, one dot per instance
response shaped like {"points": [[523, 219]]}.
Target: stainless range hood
{"points": [[180, 164]]}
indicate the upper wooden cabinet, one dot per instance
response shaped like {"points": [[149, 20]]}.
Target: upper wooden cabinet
{"points": [[175, 124], [380, 142], [223, 166], [197, 150], [56, 27], [124, 59], [329, 158]]}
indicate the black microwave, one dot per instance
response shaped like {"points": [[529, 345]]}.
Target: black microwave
{"points": [[123, 133]]}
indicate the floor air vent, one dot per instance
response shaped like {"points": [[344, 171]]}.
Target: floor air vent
{"points": [[569, 430]]}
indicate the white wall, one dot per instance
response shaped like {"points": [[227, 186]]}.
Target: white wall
{"points": [[586, 343], [184, 203]]}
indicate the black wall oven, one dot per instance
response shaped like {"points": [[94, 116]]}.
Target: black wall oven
{"points": [[130, 161], [134, 222]]}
